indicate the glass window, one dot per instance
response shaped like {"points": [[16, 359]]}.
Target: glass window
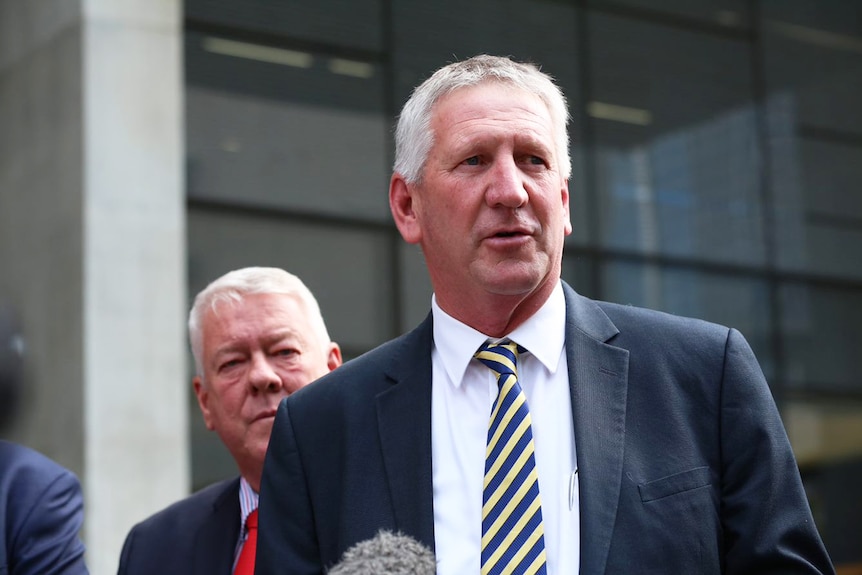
{"points": [[821, 337], [813, 50], [308, 139], [726, 13], [343, 23], [818, 212], [832, 174], [676, 157], [813, 74]]}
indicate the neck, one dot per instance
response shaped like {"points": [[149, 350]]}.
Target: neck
{"points": [[495, 315], [253, 480]]}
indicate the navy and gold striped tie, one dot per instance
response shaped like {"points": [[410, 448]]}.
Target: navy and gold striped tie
{"points": [[513, 536]]}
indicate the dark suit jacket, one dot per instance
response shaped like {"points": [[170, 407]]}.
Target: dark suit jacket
{"points": [[195, 536], [41, 512], [684, 465]]}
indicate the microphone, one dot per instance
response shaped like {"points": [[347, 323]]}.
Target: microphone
{"points": [[387, 553]]}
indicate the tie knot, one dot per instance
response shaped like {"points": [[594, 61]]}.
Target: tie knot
{"points": [[251, 520], [501, 357]]}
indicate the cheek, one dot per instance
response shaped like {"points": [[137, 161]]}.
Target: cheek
{"points": [[297, 379], [298, 376], [451, 222], [259, 432], [231, 400]]}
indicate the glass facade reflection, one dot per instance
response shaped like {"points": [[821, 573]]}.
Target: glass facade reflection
{"points": [[717, 155]]}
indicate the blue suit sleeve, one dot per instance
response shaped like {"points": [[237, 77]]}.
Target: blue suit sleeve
{"points": [[767, 521], [47, 541]]}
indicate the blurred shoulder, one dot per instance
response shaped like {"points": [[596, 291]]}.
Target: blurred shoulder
{"points": [[20, 463]]}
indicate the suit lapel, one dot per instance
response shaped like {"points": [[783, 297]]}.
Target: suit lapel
{"points": [[215, 541], [404, 425], [598, 376]]}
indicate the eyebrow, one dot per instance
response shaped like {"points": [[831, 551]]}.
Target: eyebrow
{"points": [[268, 339]]}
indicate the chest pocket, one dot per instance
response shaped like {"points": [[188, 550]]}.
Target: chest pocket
{"points": [[673, 484]]}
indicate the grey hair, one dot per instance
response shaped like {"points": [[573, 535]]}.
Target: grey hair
{"points": [[413, 134], [234, 285]]}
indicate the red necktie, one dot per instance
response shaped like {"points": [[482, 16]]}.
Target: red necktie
{"points": [[245, 563]]}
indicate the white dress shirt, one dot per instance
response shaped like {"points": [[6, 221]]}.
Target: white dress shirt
{"points": [[463, 391]]}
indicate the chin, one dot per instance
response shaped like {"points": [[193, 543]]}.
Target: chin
{"points": [[257, 451], [264, 427], [513, 285], [513, 277]]}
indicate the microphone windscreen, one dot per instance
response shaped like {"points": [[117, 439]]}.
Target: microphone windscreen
{"points": [[387, 553]]}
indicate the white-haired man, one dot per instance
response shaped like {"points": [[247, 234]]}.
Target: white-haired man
{"points": [[257, 336]]}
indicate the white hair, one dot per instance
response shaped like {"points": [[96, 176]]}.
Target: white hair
{"points": [[234, 285], [413, 134]]}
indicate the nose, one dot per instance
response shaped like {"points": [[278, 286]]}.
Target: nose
{"points": [[506, 185], [262, 377]]}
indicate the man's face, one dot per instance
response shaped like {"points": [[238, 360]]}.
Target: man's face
{"points": [[491, 209], [254, 353]]}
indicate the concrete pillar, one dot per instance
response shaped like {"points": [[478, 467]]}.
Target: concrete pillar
{"points": [[92, 248]]}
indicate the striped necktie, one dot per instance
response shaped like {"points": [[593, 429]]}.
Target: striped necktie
{"points": [[513, 539]]}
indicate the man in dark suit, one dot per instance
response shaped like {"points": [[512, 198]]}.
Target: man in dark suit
{"points": [[41, 506], [619, 440], [257, 336]]}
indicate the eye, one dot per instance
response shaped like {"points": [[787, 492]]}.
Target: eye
{"points": [[533, 160], [472, 161], [285, 352], [231, 363]]}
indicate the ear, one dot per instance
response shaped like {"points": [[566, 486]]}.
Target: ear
{"points": [[333, 360], [403, 206], [203, 396], [567, 214]]}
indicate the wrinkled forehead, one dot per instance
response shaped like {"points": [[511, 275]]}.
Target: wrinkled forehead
{"points": [[230, 307], [482, 109], [501, 85]]}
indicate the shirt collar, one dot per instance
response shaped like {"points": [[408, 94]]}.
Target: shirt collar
{"points": [[248, 500], [543, 334]]}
